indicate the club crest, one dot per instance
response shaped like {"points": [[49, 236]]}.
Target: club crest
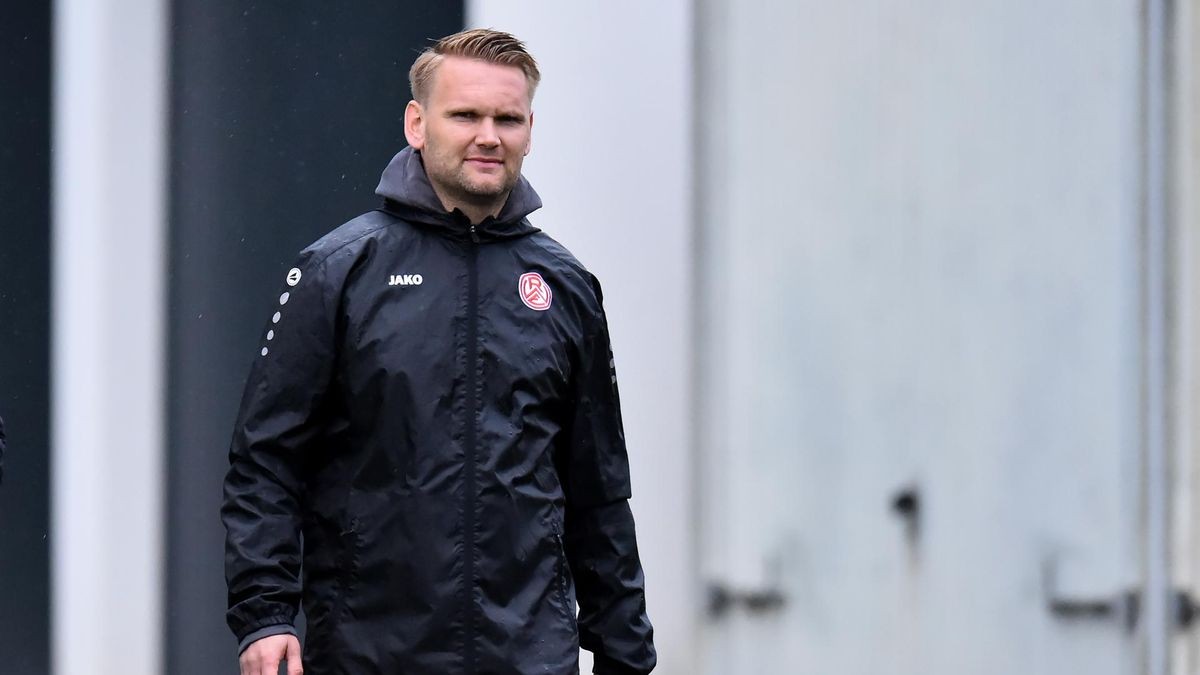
{"points": [[534, 291]]}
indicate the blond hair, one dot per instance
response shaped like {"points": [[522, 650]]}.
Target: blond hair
{"points": [[484, 44]]}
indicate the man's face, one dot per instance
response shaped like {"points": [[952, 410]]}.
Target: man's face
{"points": [[473, 131]]}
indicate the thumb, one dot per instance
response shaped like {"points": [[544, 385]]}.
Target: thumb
{"points": [[295, 667]]}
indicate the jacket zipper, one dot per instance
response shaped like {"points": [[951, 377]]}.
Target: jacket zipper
{"points": [[470, 449]]}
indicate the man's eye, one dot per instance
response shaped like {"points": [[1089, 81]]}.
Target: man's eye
{"points": [[463, 115]]}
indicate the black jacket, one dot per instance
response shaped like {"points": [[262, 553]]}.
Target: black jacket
{"points": [[434, 407]]}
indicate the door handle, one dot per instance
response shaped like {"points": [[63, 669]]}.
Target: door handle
{"points": [[722, 599], [1184, 609], [1124, 606]]}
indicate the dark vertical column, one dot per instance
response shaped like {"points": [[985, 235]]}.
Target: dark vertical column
{"points": [[283, 116], [25, 336]]}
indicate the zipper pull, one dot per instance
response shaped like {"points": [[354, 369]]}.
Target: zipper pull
{"points": [[474, 235]]}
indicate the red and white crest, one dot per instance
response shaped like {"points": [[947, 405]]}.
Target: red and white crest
{"points": [[534, 291]]}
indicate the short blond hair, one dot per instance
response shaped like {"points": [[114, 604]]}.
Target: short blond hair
{"points": [[484, 44]]}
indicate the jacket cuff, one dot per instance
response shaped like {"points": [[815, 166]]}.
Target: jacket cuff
{"points": [[605, 666], [265, 631]]}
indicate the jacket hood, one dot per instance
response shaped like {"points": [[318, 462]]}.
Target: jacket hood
{"points": [[408, 194]]}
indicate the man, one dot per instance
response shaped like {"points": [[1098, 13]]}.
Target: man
{"points": [[434, 408]]}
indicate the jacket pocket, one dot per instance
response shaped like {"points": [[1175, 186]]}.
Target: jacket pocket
{"points": [[347, 573], [326, 608], [563, 582]]}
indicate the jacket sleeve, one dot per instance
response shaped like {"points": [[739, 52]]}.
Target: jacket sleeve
{"points": [[601, 545], [277, 423]]}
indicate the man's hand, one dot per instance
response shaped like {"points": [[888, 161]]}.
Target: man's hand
{"points": [[263, 656]]}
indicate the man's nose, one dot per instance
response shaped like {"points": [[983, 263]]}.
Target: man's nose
{"points": [[486, 135]]}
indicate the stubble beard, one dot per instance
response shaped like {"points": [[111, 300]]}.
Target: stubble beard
{"points": [[456, 184], [482, 193]]}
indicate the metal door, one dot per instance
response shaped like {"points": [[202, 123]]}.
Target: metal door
{"points": [[921, 334]]}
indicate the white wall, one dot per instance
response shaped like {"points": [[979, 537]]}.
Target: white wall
{"points": [[612, 160]]}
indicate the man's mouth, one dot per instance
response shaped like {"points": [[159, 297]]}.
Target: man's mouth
{"points": [[485, 162]]}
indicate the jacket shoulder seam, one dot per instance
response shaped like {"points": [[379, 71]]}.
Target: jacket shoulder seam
{"points": [[328, 254], [567, 259], [586, 276]]}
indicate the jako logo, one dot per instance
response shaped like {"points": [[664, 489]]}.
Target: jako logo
{"points": [[405, 280]]}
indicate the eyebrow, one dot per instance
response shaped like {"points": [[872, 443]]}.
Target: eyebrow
{"points": [[501, 114]]}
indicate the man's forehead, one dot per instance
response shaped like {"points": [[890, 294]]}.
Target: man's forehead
{"points": [[461, 80]]}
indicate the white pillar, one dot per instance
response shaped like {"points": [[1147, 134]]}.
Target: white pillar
{"points": [[108, 225]]}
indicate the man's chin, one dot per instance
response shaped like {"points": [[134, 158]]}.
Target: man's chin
{"points": [[486, 191]]}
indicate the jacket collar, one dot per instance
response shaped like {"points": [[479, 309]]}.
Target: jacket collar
{"points": [[407, 194]]}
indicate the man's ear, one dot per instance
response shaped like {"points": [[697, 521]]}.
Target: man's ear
{"points": [[529, 141], [414, 125]]}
